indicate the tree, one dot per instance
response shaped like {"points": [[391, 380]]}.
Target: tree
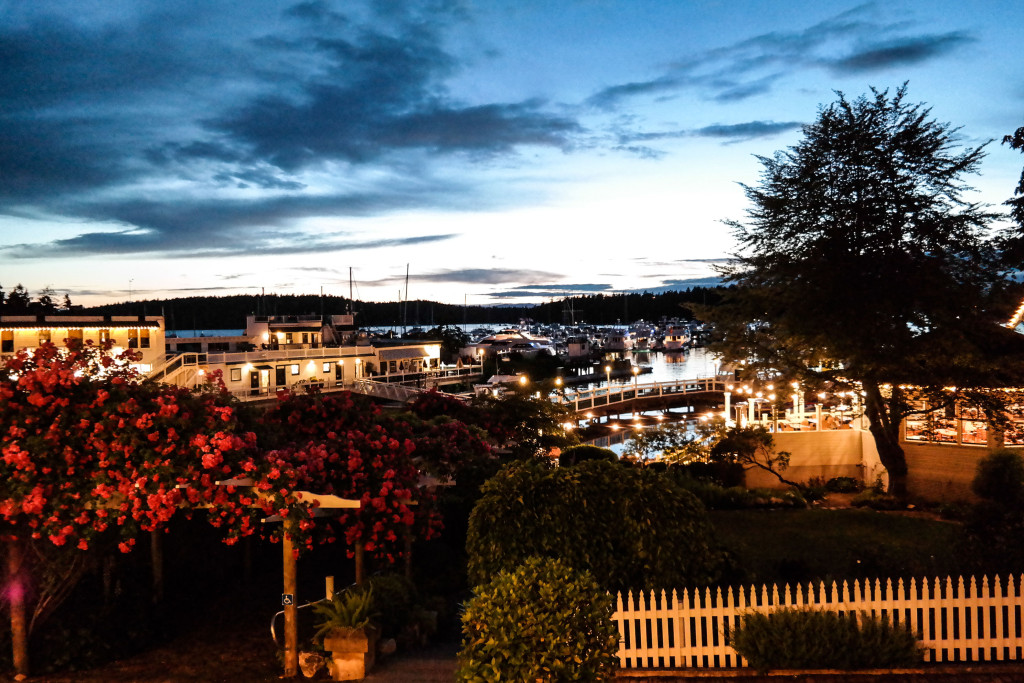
{"points": [[17, 300], [862, 266], [45, 301], [1016, 204], [67, 306]]}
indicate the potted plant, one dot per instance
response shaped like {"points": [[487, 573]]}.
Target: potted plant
{"points": [[347, 632]]}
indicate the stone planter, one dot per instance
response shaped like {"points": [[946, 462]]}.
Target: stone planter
{"points": [[352, 652]]}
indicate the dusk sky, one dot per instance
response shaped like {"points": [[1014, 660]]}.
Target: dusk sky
{"points": [[508, 152]]}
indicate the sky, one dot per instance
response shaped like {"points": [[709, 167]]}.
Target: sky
{"points": [[500, 152]]}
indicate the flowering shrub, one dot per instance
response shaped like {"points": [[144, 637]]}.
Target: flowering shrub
{"points": [[344, 445], [88, 446]]}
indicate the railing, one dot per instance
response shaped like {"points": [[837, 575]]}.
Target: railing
{"points": [[393, 392], [955, 620], [266, 355], [625, 392], [174, 362]]}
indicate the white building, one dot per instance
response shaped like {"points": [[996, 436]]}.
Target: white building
{"points": [[140, 333]]}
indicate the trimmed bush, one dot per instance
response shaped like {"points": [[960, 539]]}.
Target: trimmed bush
{"points": [[543, 621], [817, 639], [630, 528]]}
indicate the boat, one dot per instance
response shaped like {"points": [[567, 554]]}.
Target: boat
{"points": [[512, 341], [677, 337]]}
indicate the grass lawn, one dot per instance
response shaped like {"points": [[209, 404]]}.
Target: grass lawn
{"points": [[803, 545]]}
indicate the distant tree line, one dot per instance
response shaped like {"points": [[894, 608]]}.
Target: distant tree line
{"points": [[229, 312], [20, 302]]}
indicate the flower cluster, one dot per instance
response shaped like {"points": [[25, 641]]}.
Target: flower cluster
{"points": [[88, 447]]}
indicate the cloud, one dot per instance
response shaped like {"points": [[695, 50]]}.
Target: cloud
{"points": [[569, 287], [899, 52], [733, 132], [476, 276], [850, 42], [181, 136], [747, 130]]}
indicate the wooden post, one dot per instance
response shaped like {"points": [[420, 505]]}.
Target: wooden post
{"points": [[408, 553], [291, 622], [15, 594], [360, 562], [156, 558]]}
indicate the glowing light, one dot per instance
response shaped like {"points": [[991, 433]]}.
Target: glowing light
{"points": [[522, 379]]}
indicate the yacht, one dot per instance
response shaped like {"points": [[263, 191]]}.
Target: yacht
{"points": [[510, 340], [677, 337]]}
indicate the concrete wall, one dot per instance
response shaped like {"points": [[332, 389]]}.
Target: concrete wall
{"points": [[826, 454], [942, 472], [936, 472]]}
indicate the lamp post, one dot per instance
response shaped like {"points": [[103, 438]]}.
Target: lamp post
{"points": [[608, 374], [636, 390]]}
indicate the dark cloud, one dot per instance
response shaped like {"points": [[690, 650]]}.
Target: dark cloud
{"points": [[568, 287], [99, 116], [900, 52], [477, 276], [747, 130], [752, 67], [734, 132]]}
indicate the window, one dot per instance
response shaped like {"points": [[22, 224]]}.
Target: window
{"points": [[44, 336], [236, 374], [295, 369], [7, 341], [143, 339], [327, 368], [104, 336], [288, 339], [133, 339], [75, 334], [305, 337]]}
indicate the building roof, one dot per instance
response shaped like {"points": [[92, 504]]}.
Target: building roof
{"points": [[74, 322]]}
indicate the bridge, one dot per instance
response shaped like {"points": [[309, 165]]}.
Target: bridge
{"points": [[626, 397]]}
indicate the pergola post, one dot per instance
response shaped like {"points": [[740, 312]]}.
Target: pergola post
{"points": [[291, 622]]}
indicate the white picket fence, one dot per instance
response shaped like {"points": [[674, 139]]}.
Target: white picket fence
{"points": [[956, 620]]}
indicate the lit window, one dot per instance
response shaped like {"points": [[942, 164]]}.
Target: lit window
{"points": [[295, 369], [327, 367]]}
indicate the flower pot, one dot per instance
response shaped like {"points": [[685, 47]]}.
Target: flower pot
{"points": [[352, 652]]}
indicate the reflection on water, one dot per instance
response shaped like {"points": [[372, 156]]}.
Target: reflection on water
{"points": [[666, 367]]}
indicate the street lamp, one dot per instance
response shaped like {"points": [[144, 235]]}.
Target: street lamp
{"points": [[608, 374], [636, 391]]}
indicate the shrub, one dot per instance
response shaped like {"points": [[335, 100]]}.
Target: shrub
{"points": [[629, 527], [817, 639], [843, 485], [542, 621], [574, 455], [877, 500], [393, 598], [994, 525], [1000, 478]]}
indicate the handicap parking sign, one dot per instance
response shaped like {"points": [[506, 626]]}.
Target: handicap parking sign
{"points": [[287, 599]]}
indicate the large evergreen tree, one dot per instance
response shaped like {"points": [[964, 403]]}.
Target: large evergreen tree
{"points": [[862, 262]]}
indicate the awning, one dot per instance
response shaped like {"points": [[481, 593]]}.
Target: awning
{"points": [[403, 353]]}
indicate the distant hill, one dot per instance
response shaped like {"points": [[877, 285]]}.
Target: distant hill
{"points": [[229, 312]]}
